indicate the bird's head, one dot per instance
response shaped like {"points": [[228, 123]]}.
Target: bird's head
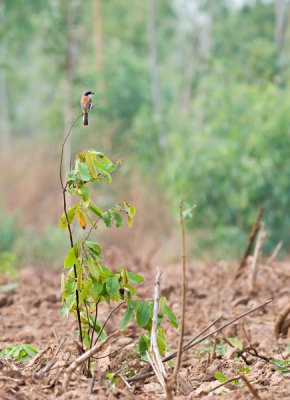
{"points": [[88, 93]]}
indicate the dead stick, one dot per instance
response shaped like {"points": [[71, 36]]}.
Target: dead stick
{"points": [[250, 387], [253, 268], [153, 354], [251, 239], [275, 252], [183, 295], [88, 354], [280, 320], [193, 341]]}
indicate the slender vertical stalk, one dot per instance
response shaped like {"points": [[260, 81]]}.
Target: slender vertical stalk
{"points": [[183, 294], [68, 224]]}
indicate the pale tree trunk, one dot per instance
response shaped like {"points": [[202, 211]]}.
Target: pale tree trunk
{"points": [[200, 47], [155, 83], [281, 22], [189, 71], [98, 44], [5, 126]]}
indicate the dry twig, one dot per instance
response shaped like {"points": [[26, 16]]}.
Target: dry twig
{"points": [[278, 327], [257, 255], [193, 342], [153, 354], [251, 239], [275, 252]]}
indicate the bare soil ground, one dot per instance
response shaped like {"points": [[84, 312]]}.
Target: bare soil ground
{"points": [[30, 314]]}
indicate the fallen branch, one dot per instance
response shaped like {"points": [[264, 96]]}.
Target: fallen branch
{"points": [[251, 240], [193, 342], [88, 354]]}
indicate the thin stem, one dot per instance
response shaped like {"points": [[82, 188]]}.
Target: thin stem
{"points": [[69, 226], [183, 294], [62, 150], [92, 227], [105, 323], [95, 321]]}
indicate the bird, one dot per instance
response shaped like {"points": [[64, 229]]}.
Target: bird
{"points": [[86, 105]]}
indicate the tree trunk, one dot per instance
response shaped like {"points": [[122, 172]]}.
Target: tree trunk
{"points": [[71, 47], [5, 126], [98, 42], [155, 84], [281, 22]]}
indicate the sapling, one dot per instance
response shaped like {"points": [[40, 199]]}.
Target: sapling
{"points": [[87, 282]]}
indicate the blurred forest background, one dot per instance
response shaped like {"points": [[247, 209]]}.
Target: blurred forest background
{"points": [[193, 95]]}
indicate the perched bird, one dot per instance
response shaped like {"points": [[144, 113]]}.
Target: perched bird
{"points": [[86, 105]]}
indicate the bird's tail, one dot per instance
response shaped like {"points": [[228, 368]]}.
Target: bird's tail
{"points": [[85, 118]]}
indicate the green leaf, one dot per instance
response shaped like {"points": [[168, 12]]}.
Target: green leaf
{"points": [[105, 272], [143, 344], [94, 248], [97, 326], [84, 193], [64, 312], [107, 218], [70, 300], [96, 210], [126, 318], [90, 163], [79, 269], [113, 287], [220, 376], [161, 341], [18, 352], [102, 170], [118, 219], [135, 277], [9, 287], [70, 258], [171, 316], [85, 290], [162, 305], [94, 269], [130, 288], [84, 172], [142, 311], [71, 212], [98, 286]]}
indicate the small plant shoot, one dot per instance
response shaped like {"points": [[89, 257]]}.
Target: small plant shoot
{"points": [[87, 282], [18, 352]]}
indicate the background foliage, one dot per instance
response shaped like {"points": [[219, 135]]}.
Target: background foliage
{"points": [[192, 93]]}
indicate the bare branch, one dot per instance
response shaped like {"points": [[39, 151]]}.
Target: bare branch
{"points": [[251, 239]]}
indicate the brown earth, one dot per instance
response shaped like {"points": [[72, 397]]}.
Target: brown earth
{"points": [[30, 314]]}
